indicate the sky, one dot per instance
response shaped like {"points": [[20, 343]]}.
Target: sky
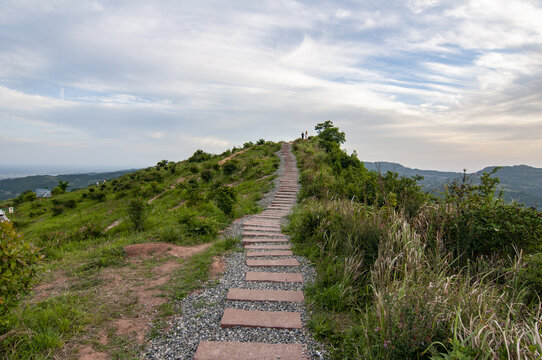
{"points": [[430, 84]]}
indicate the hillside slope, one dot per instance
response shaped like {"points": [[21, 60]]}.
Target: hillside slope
{"points": [[117, 253]]}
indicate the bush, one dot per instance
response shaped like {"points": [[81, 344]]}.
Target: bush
{"points": [[19, 263], [193, 169], [199, 156], [206, 175], [225, 197], [70, 204], [473, 222], [260, 142], [25, 196], [230, 166], [57, 210], [136, 210], [195, 226]]}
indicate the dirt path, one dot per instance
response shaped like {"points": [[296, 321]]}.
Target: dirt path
{"points": [[221, 162]]}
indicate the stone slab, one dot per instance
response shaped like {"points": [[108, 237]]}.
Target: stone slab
{"points": [[273, 276], [265, 295], [270, 253], [266, 319], [262, 223], [217, 350], [263, 234], [263, 240], [263, 229], [267, 247], [268, 263]]}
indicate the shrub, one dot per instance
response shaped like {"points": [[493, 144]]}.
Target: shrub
{"points": [[225, 197], [61, 188], [260, 142], [199, 156], [193, 169], [206, 175], [70, 204], [25, 196], [57, 210], [19, 263], [195, 226], [473, 222], [230, 166], [171, 234], [136, 210]]}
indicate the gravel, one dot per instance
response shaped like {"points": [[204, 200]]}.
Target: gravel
{"points": [[201, 311]]}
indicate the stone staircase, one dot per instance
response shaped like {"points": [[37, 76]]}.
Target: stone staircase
{"points": [[269, 256]]}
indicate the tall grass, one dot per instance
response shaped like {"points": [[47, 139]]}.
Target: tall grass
{"points": [[408, 300]]}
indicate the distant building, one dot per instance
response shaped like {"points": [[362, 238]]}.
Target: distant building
{"points": [[3, 216], [43, 193]]}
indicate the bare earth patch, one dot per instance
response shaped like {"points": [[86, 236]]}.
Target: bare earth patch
{"points": [[217, 267], [221, 162], [58, 284], [130, 295], [113, 225], [148, 249], [88, 353]]}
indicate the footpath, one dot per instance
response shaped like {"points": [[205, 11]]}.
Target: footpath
{"points": [[256, 310]]}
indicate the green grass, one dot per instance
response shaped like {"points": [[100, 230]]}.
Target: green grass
{"points": [[37, 330], [74, 242], [195, 270]]}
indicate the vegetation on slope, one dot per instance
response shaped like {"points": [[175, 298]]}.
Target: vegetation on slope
{"points": [[10, 188], [82, 235], [401, 275]]}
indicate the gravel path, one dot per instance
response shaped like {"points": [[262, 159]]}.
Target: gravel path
{"points": [[201, 311]]}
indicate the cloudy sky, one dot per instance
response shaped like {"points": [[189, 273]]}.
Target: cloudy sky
{"points": [[427, 83]]}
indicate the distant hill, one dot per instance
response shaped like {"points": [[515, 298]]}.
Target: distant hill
{"points": [[521, 183], [10, 188]]}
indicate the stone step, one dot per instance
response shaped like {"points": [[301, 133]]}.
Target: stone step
{"points": [[265, 295], [263, 234], [263, 229], [256, 318], [264, 223], [273, 276], [217, 350], [268, 263], [268, 247], [270, 253], [263, 240]]}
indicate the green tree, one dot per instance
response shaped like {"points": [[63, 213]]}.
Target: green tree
{"points": [[136, 213], [327, 132], [225, 197], [60, 188], [18, 264]]}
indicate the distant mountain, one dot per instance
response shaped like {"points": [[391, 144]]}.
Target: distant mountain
{"points": [[521, 183], [10, 188]]}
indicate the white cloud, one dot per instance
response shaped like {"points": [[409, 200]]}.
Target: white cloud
{"points": [[446, 72]]}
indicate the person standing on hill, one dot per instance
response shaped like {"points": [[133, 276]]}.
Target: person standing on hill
{"points": [[302, 135], [306, 135]]}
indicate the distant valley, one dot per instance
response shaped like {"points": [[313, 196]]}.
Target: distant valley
{"points": [[10, 188], [521, 183]]}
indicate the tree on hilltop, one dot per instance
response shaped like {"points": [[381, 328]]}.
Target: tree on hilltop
{"points": [[327, 132]]}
